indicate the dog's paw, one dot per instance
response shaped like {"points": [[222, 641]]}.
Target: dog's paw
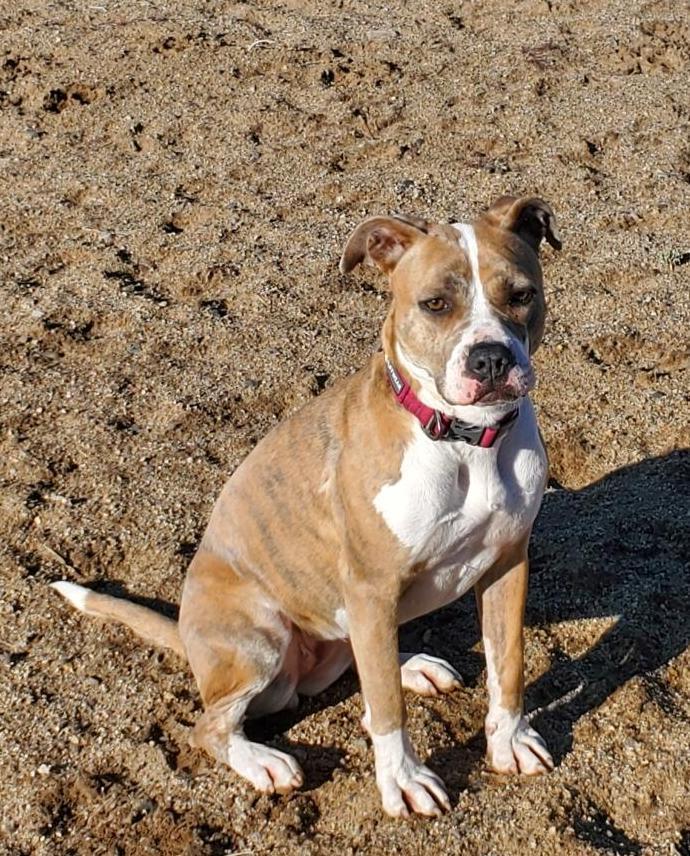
{"points": [[268, 769], [405, 784], [415, 789], [427, 675], [514, 747]]}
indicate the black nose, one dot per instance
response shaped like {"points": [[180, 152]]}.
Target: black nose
{"points": [[490, 361]]}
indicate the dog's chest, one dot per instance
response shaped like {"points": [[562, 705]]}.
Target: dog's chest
{"points": [[455, 507]]}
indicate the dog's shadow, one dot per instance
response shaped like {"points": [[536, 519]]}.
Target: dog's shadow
{"points": [[616, 550]]}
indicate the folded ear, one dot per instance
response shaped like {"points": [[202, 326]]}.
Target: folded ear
{"points": [[529, 217], [381, 241]]}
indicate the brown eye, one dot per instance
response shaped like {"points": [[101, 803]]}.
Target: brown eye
{"points": [[436, 305], [521, 298]]}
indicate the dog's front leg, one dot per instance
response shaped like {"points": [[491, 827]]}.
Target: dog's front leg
{"points": [[512, 745], [406, 785]]}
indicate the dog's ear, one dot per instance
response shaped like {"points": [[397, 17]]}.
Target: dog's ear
{"points": [[382, 241], [529, 217]]}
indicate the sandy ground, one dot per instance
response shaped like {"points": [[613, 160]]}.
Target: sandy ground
{"points": [[177, 180]]}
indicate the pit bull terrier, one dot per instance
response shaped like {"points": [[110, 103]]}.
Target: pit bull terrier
{"points": [[385, 498]]}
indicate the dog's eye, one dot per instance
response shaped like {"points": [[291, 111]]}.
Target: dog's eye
{"points": [[523, 297], [436, 305]]}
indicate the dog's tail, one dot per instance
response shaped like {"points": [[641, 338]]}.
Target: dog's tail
{"points": [[147, 623]]}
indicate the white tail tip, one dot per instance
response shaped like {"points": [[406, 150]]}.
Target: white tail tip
{"points": [[75, 594]]}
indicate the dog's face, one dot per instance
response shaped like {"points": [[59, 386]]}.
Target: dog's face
{"points": [[468, 302]]}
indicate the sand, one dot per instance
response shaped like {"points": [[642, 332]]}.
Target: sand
{"points": [[177, 181]]}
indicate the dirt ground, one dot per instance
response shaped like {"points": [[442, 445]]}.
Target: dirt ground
{"points": [[177, 181]]}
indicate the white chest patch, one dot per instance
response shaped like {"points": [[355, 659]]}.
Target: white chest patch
{"points": [[455, 507]]}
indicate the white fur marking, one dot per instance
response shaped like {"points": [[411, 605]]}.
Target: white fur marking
{"points": [[455, 506], [268, 769], [427, 675], [75, 594], [512, 745], [481, 309], [366, 719], [402, 779], [341, 621]]}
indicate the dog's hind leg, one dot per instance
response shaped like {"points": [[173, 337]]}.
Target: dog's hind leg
{"points": [[239, 648]]}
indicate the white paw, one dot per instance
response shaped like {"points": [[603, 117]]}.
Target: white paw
{"points": [[406, 785], [268, 769], [514, 747], [427, 675]]}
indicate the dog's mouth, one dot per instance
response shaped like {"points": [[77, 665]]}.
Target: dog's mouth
{"points": [[498, 395], [486, 393]]}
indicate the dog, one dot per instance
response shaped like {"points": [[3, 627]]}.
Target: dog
{"points": [[383, 499]]}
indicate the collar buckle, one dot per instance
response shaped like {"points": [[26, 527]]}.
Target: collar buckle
{"points": [[435, 428], [467, 433]]}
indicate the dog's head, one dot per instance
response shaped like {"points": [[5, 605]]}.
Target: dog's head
{"points": [[468, 303]]}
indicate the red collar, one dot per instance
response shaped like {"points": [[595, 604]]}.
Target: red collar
{"points": [[440, 426]]}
